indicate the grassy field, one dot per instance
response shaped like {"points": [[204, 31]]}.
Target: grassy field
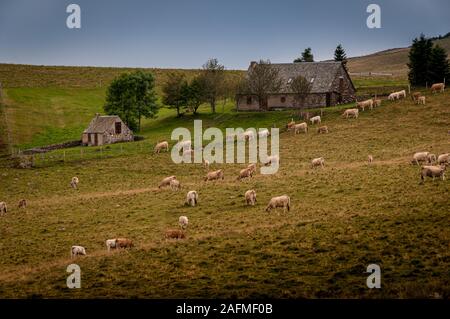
{"points": [[343, 217]]}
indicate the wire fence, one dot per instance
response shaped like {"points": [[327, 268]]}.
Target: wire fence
{"points": [[81, 153]]}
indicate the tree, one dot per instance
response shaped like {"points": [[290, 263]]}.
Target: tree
{"points": [[212, 76], [419, 56], [340, 56], [196, 94], [438, 66], [131, 96], [261, 81], [306, 56], [176, 92], [300, 87]]}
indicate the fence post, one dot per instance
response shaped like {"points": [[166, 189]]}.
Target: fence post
{"points": [[64, 156]]}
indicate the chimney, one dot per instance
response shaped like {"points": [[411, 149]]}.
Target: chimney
{"points": [[253, 64]]}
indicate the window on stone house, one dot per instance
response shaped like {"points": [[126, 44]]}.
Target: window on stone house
{"points": [[249, 100]]}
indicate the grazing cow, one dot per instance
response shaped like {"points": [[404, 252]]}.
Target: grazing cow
{"points": [[124, 243], [252, 167], [23, 203], [393, 96], [322, 129], [3, 208], [162, 146], [317, 162], [175, 234], [419, 157], [370, 159], [315, 119], [272, 159], [250, 197], [279, 201], [401, 94], [438, 87], [183, 221], [433, 171], [74, 182], [110, 243], [421, 100], [444, 159], [302, 127], [415, 96], [290, 125], [77, 250], [351, 112], [175, 184], [367, 103], [214, 175], [191, 198], [166, 181], [244, 173], [376, 102]]}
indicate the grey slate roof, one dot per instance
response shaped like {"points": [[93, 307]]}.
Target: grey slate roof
{"points": [[323, 74], [100, 124]]}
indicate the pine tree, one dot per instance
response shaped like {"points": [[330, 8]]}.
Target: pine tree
{"points": [[340, 56], [419, 56], [306, 56], [438, 66]]}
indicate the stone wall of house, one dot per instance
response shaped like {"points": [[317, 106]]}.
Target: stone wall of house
{"points": [[244, 105], [347, 92]]}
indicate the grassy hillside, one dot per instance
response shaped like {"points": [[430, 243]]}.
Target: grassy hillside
{"points": [[343, 217], [46, 105], [389, 61]]}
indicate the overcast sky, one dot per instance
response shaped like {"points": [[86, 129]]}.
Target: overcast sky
{"points": [[185, 33]]}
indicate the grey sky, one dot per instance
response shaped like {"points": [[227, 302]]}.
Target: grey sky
{"points": [[184, 34]]}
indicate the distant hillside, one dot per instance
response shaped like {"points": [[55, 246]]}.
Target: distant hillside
{"points": [[32, 76], [388, 61]]}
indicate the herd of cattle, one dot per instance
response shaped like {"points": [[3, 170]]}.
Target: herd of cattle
{"points": [[436, 168]]}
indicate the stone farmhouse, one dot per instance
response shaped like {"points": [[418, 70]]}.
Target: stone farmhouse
{"points": [[106, 129], [330, 85]]}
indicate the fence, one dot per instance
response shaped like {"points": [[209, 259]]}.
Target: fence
{"points": [[84, 153]]}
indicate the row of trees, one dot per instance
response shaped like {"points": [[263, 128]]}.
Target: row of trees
{"points": [[209, 86], [428, 63], [133, 96], [339, 56]]}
